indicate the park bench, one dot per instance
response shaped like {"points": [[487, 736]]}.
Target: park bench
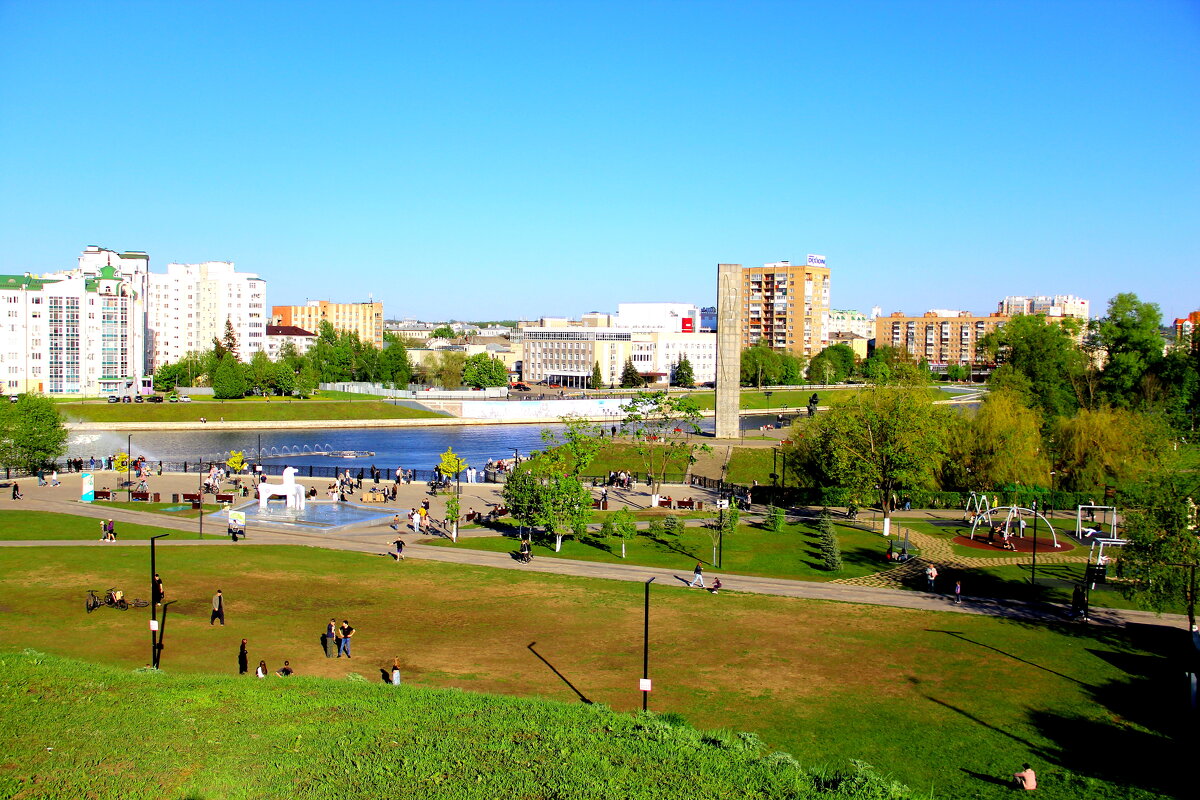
{"points": [[600, 504], [191, 497], [142, 496], [103, 494], [688, 504], [665, 502], [225, 498]]}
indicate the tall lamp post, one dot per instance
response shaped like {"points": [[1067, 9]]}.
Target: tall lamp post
{"points": [[155, 638], [645, 684], [128, 464], [1033, 568], [767, 394]]}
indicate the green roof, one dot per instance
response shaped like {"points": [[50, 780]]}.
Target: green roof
{"points": [[25, 282]]}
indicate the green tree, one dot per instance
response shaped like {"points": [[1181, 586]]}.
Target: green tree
{"points": [[597, 376], [451, 463], [1129, 339], [229, 340], [834, 364], [572, 451], [282, 379], [630, 377], [1000, 445], [443, 332], [684, 375], [1107, 446], [444, 368], [228, 380], [261, 371], [1160, 562], [32, 434], [885, 439], [624, 527], [774, 519], [453, 515], [537, 495], [830, 550], [307, 380], [394, 365], [649, 418], [482, 370], [1043, 352]]}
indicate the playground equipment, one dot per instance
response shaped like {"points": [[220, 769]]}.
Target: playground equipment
{"points": [[1095, 533], [289, 490], [1013, 516], [977, 504]]}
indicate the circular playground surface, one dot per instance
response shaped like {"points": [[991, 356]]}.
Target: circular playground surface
{"points": [[1025, 545]]}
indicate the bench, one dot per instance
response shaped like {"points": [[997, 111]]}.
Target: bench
{"points": [[142, 496], [664, 502], [103, 494], [688, 504], [600, 504], [225, 498], [191, 497]]}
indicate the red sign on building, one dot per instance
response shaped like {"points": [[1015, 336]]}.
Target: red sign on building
{"points": [[689, 325]]}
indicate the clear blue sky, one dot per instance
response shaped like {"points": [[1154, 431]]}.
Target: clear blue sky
{"points": [[505, 159]]}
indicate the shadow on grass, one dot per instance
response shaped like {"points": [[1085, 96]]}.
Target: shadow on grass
{"points": [[958, 635], [561, 677], [981, 776]]}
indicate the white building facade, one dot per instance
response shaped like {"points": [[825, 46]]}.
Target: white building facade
{"points": [[1059, 305], [849, 321], [189, 305]]}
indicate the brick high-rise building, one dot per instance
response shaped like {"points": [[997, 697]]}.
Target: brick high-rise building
{"points": [[786, 304], [938, 337]]}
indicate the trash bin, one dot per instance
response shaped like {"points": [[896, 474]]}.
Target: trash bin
{"points": [[174, 497], [195, 505], [157, 497]]}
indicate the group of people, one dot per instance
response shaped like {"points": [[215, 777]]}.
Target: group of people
{"points": [[621, 480], [931, 576], [337, 638], [54, 481], [698, 579], [108, 532]]}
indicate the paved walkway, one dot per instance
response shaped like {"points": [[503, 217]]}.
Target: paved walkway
{"points": [[376, 538]]}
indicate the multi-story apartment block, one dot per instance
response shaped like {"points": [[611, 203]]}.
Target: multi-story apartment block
{"points": [[365, 319], [1185, 329], [190, 304], [785, 304], [72, 333], [566, 356], [278, 335], [940, 337], [847, 321], [1060, 305]]}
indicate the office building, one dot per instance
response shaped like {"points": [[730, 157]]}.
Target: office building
{"points": [[785, 305], [940, 337], [365, 319], [190, 305], [278, 335]]}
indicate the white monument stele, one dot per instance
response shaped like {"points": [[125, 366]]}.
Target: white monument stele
{"points": [[289, 490]]}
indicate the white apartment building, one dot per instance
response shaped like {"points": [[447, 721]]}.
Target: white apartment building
{"points": [[71, 333], [566, 356], [1059, 305], [188, 307], [849, 321], [277, 335]]}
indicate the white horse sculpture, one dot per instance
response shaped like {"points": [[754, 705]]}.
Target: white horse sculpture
{"points": [[289, 490]]}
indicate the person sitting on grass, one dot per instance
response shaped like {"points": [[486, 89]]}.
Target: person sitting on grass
{"points": [[1025, 779], [285, 670]]}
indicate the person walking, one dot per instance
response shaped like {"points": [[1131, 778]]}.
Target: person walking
{"points": [[16, 491], [157, 592], [261, 672], [330, 639], [931, 574], [218, 609], [396, 671], [243, 659], [958, 593], [346, 631], [399, 543], [698, 576]]}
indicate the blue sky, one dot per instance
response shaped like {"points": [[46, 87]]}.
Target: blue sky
{"points": [[507, 159]]}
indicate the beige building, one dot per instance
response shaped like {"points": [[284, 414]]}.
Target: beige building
{"points": [[786, 304], [854, 341], [940, 337], [566, 356], [365, 319]]}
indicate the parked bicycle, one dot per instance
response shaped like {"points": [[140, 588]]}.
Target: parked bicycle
{"points": [[113, 598]]}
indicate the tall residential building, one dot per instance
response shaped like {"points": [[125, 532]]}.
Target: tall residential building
{"points": [[72, 333], [567, 355], [785, 304], [365, 319], [939, 337], [279, 335], [1060, 305], [1185, 329], [191, 303]]}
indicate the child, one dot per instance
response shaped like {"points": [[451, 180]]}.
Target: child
{"points": [[958, 593], [716, 587]]}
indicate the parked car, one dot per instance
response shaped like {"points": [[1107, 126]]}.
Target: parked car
{"points": [[173, 398], [520, 387], [112, 398], [154, 398], [137, 398], [14, 398], [126, 399], [183, 398]]}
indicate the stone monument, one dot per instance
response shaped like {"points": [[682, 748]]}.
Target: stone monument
{"points": [[729, 350]]}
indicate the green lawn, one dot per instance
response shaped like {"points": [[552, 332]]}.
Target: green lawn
{"points": [[246, 410], [615, 456], [794, 399], [178, 510], [751, 551], [749, 464], [946, 703], [37, 525]]}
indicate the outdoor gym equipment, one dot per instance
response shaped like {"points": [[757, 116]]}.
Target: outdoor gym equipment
{"points": [[1096, 536]]}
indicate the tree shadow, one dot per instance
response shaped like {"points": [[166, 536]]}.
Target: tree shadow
{"points": [[959, 635], [561, 677]]}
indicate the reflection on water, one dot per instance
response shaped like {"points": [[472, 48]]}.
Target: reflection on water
{"points": [[314, 515]]}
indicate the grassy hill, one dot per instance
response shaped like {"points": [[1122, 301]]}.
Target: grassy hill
{"points": [[74, 729], [240, 411]]}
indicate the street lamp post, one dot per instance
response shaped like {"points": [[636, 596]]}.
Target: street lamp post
{"points": [[767, 394], [128, 464], [645, 685], [155, 639], [1033, 568]]}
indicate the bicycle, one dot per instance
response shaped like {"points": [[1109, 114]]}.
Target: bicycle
{"points": [[113, 598]]}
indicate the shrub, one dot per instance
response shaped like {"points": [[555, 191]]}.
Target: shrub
{"points": [[672, 525], [831, 553], [656, 529], [775, 519]]}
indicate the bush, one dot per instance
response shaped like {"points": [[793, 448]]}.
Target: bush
{"points": [[672, 525], [656, 529], [775, 519]]}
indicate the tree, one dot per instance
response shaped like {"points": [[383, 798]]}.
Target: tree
{"points": [[453, 515], [683, 375], [1001, 445], [260, 372], [482, 370], [228, 381], [1129, 339], [1160, 561], [394, 365], [774, 520], [32, 434], [445, 368], [282, 380], [306, 381], [650, 417], [536, 495], [451, 464], [831, 551], [630, 377], [443, 332], [1043, 353], [624, 527], [572, 452], [832, 365], [885, 438], [725, 523], [168, 376], [229, 341], [1107, 446], [597, 376], [236, 461]]}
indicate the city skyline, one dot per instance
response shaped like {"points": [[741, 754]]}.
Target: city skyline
{"points": [[496, 161]]}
